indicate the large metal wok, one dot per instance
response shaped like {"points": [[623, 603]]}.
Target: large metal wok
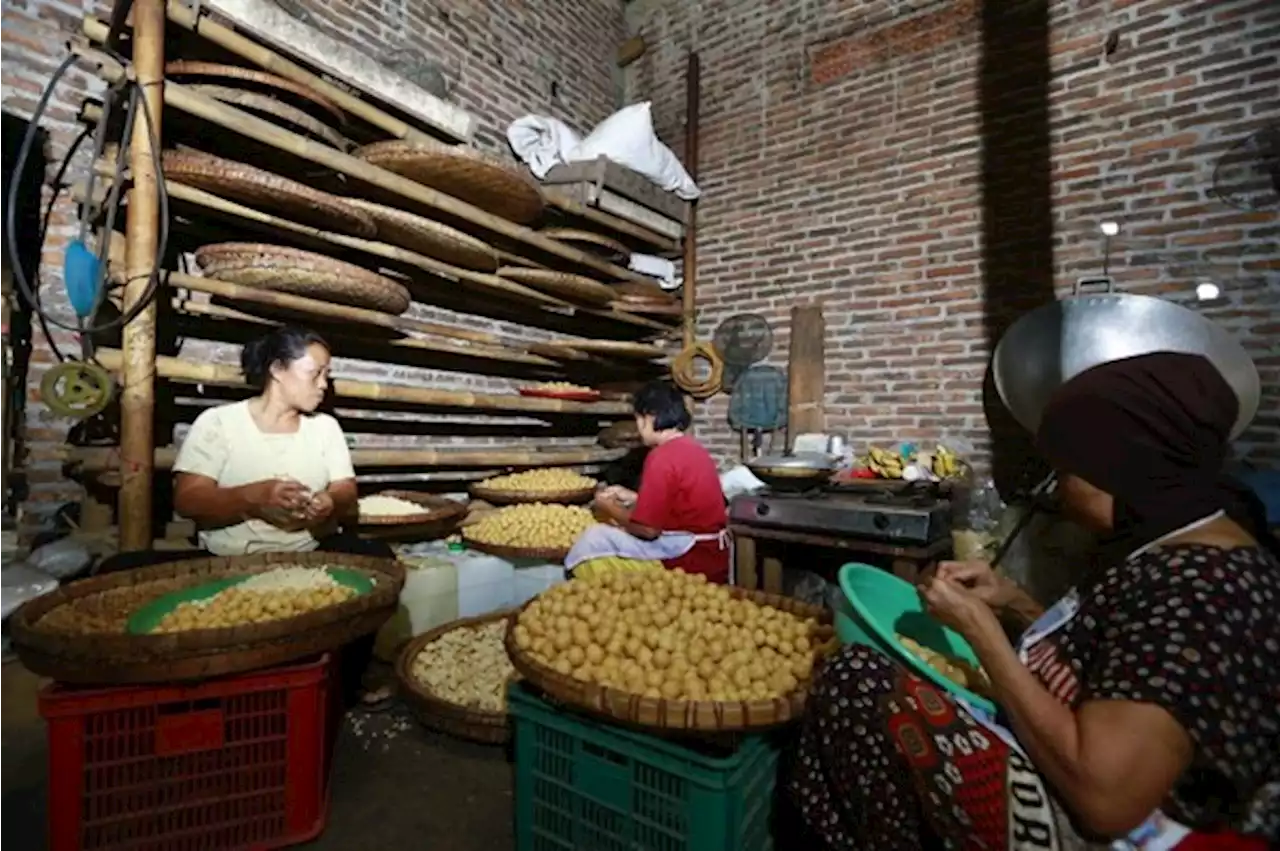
{"points": [[1056, 342], [798, 471]]}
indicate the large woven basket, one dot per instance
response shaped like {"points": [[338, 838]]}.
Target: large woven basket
{"points": [[608, 348], [548, 554], [304, 273], [273, 109], [493, 496], [104, 652], [435, 509], [439, 714], [605, 247], [266, 191], [430, 238], [464, 173], [570, 286], [249, 77], [703, 716]]}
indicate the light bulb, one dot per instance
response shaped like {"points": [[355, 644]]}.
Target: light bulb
{"points": [[1109, 228], [1207, 290]]}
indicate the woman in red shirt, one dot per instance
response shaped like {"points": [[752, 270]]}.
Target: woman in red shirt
{"points": [[678, 517]]}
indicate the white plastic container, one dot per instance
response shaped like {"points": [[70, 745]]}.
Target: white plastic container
{"points": [[534, 578], [485, 583], [429, 599]]}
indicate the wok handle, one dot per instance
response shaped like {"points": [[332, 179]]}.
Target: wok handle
{"points": [[1105, 283]]}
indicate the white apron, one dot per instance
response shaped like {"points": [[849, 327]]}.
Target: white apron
{"points": [[1158, 832], [603, 540]]}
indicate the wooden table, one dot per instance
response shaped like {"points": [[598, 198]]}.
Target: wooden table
{"points": [[750, 570]]}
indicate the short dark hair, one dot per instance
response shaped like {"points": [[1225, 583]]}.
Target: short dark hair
{"points": [[283, 346], [665, 403]]}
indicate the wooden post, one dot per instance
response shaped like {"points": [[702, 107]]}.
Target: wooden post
{"points": [[693, 87], [142, 230], [806, 373]]}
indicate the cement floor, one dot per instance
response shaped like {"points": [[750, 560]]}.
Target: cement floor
{"points": [[393, 782]]}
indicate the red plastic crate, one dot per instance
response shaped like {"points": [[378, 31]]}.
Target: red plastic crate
{"points": [[240, 762]]}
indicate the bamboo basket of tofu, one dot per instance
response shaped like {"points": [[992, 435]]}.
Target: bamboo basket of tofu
{"points": [[455, 678], [204, 617]]}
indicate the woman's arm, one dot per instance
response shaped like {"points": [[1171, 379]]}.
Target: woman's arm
{"points": [[620, 515], [1112, 761], [199, 498]]}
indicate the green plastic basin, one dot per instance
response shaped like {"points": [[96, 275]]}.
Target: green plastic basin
{"points": [[879, 606]]}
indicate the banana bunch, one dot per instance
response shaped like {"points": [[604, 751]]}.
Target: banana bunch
{"points": [[886, 465], [613, 564], [946, 464]]}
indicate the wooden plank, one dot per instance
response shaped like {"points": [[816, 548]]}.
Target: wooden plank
{"points": [[92, 459], [198, 372], [806, 372]]}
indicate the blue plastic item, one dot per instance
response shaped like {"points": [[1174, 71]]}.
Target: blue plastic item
{"points": [[81, 275], [881, 606]]}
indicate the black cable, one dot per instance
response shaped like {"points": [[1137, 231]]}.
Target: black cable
{"points": [[31, 295]]}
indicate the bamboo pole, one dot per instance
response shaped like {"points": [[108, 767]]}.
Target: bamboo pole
{"points": [[693, 91], [98, 459], [217, 311], [142, 229], [574, 207], [197, 372]]}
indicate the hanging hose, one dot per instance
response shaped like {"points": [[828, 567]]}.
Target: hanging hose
{"points": [[30, 290], [684, 370]]}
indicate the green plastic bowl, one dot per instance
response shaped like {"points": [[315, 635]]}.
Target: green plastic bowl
{"points": [[879, 606]]}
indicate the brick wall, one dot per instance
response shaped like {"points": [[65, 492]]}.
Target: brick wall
{"points": [[495, 58], [845, 148]]}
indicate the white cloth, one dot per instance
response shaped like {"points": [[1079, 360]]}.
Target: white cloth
{"points": [[603, 540], [655, 267], [541, 142], [627, 137]]}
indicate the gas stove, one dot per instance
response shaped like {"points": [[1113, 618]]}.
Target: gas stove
{"points": [[913, 518]]}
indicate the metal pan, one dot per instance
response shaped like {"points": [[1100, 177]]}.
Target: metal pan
{"points": [[798, 472], [1054, 343]]}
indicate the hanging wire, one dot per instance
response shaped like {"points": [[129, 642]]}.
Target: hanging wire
{"points": [[30, 289]]}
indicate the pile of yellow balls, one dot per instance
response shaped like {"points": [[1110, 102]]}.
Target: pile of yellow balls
{"points": [[543, 480], [670, 635], [531, 525]]}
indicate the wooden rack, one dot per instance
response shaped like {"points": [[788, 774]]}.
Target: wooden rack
{"points": [[222, 309]]}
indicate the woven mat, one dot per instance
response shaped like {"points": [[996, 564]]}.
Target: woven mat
{"points": [[218, 71], [427, 237], [616, 348], [636, 291], [273, 108], [266, 191], [648, 308], [602, 246], [570, 286], [465, 173], [291, 270]]}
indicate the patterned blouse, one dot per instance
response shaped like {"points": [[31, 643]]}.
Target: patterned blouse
{"points": [[1194, 629]]}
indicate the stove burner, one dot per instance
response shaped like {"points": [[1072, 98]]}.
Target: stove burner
{"points": [[909, 516]]}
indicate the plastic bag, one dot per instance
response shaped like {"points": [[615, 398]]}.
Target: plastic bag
{"points": [[60, 559], [20, 583]]}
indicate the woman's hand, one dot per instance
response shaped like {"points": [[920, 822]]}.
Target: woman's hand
{"points": [[276, 496], [320, 508], [958, 607], [618, 494], [981, 580]]}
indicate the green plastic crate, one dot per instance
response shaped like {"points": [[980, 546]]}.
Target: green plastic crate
{"points": [[582, 785]]}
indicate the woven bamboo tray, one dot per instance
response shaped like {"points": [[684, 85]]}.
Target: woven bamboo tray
{"points": [[273, 108], [491, 728], [636, 291], [506, 497], [548, 554], [602, 246], [106, 654], [703, 716], [266, 191], [304, 273], [465, 173], [648, 308], [279, 85], [570, 286], [436, 509], [613, 348], [427, 237]]}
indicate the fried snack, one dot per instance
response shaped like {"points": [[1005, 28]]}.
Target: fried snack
{"points": [[668, 634], [468, 666], [544, 480], [282, 592], [958, 671], [532, 525]]}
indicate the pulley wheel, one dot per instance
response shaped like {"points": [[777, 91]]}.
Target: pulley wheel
{"points": [[77, 389]]}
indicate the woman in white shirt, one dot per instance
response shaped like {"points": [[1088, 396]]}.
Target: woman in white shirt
{"points": [[269, 473]]}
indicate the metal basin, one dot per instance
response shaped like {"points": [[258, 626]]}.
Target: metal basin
{"points": [[1054, 343]]}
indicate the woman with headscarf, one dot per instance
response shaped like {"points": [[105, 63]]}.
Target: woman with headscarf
{"points": [[1139, 710]]}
